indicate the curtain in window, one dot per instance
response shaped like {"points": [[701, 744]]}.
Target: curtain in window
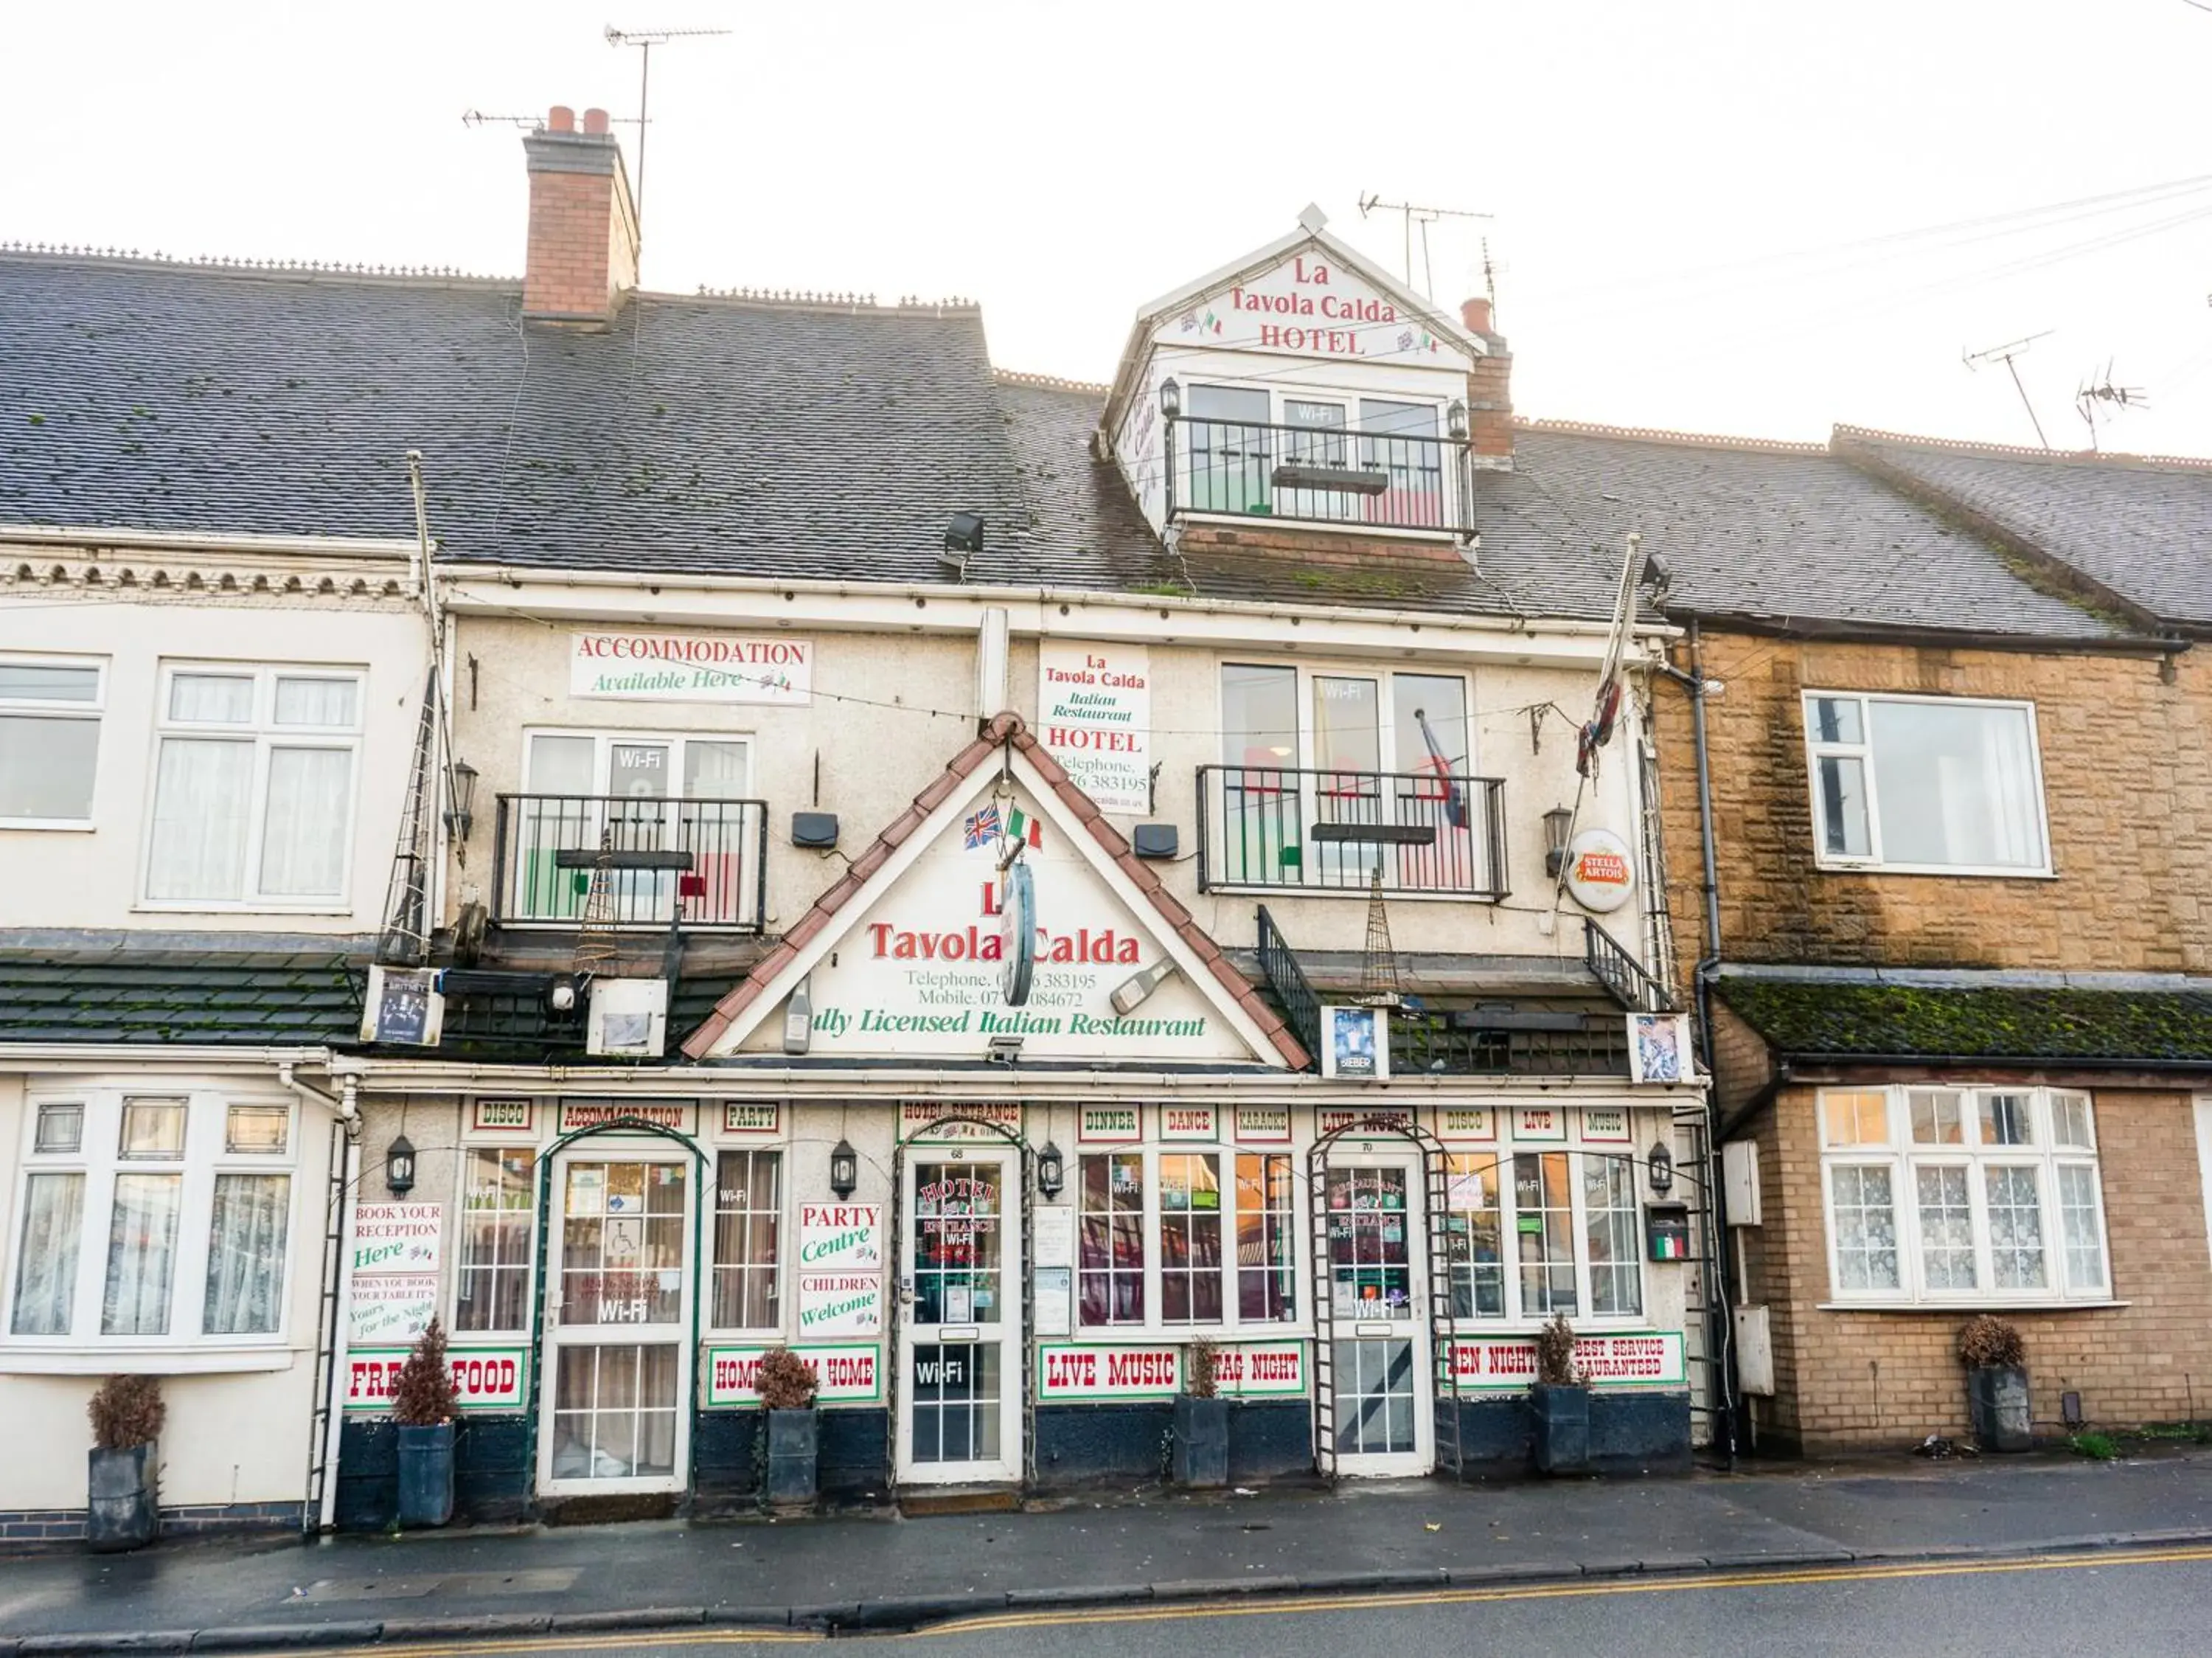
{"points": [[202, 797], [2015, 834], [224, 698], [45, 1275], [46, 766], [2085, 1238], [141, 1255], [315, 702], [303, 835], [245, 1254]]}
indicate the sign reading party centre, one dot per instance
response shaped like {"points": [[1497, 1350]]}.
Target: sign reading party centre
{"points": [[920, 972]]}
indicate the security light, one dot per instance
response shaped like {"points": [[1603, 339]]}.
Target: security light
{"points": [[799, 1019], [844, 1169]]}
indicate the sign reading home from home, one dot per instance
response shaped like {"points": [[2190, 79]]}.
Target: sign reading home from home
{"points": [[918, 974], [647, 665]]}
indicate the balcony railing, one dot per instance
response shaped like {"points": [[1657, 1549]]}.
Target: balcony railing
{"points": [[1470, 1042], [1381, 480], [1278, 829], [681, 863]]}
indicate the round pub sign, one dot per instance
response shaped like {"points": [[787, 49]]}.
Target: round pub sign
{"points": [[1600, 873]]}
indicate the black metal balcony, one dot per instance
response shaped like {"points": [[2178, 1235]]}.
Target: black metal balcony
{"points": [[1383, 480], [689, 863], [1277, 829]]}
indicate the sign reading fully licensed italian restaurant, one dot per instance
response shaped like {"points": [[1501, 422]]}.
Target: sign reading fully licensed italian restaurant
{"points": [[642, 665]]}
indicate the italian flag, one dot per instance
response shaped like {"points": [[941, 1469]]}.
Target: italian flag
{"points": [[1021, 826]]}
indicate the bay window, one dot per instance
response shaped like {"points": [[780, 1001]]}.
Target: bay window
{"points": [[1925, 783], [253, 787], [50, 711], [153, 1220], [1962, 1195]]}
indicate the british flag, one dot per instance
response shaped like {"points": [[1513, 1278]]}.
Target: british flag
{"points": [[982, 827]]}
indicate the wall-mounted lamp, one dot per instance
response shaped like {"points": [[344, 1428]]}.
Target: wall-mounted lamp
{"points": [[1170, 398], [1557, 822], [1455, 420], [461, 792], [1052, 1170], [844, 1169], [1662, 1163], [400, 1167], [799, 1019]]}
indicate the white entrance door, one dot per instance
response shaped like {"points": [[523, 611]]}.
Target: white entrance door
{"points": [[1378, 1302], [618, 1350], [960, 1317]]}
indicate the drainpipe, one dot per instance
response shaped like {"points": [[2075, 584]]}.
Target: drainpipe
{"points": [[346, 1105]]}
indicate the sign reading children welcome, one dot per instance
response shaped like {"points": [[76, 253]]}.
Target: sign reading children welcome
{"points": [[628, 665]]}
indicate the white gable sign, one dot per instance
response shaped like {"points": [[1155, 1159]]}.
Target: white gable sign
{"points": [[918, 974], [1310, 306]]}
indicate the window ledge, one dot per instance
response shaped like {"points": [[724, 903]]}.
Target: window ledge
{"points": [[50, 826], [254, 908], [195, 1361], [1957, 872], [1954, 1308]]}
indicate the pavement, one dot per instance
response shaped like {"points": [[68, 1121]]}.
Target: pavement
{"points": [[861, 1572]]}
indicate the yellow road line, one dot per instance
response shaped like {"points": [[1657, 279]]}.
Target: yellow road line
{"points": [[628, 1640]]}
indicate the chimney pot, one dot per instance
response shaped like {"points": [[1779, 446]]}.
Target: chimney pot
{"points": [[595, 123], [582, 249], [560, 118], [1475, 313]]}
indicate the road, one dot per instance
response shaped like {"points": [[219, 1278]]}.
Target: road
{"points": [[2144, 1604]]}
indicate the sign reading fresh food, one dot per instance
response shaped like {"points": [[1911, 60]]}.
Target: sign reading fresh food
{"points": [[627, 665], [485, 1378], [840, 1270], [1094, 716]]}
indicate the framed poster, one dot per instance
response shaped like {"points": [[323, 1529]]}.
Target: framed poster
{"points": [[1659, 1048], [1355, 1042]]}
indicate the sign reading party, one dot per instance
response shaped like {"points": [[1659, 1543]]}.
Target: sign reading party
{"points": [[840, 1270], [1094, 716], [638, 665], [1310, 305]]}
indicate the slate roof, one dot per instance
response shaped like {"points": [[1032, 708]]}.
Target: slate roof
{"points": [[133, 997], [1857, 1019], [2140, 527], [1776, 535]]}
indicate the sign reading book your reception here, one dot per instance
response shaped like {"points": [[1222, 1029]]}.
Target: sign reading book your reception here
{"points": [[393, 1287]]}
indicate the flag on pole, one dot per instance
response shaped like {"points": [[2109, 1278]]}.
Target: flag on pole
{"points": [[982, 827], [1455, 798], [1023, 828]]}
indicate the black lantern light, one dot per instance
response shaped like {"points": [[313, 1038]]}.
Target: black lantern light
{"points": [[1662, 1162], [1557, 822], [844, 1169], [400, 1167], [461, 789], [1170, 398], [1052, 1170], [1455, 420]]}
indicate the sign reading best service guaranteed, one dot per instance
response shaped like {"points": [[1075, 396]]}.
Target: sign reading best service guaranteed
{"points": [[642, 665]]}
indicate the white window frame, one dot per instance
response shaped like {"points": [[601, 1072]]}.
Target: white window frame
{"points": [[94, 713], [603, 741], [97, 1158], [1863, 751], [1387, 733], [463, 1154], [261, 730], [1155, 1325], [786, 1237], [1515, 1318], [1904, 1159]]}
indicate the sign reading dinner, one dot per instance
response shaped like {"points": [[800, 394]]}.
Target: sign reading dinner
{"points": [[920, 972], [633, 665]]}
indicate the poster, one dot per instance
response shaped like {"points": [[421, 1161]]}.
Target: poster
{"points": [[1055, 1289], [1355, 1042], [1094, 716], [1659, 1047], [1052, 1235]]}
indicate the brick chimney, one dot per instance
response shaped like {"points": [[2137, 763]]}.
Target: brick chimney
{"points": [[582, 255], [1489, 391]]}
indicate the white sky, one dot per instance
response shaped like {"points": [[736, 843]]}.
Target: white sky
{"points": [[1064, 163]]}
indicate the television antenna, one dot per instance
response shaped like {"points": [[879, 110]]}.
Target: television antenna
{"points": [[1412, 214], [2006, 354], [477, 118], [645, 40], [2099, 398]]}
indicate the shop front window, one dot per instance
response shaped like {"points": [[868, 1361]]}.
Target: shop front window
{"points": [[1112, 1276], [747, 1221], [1190, 1237], [1266, 1275], [499, 1203], [1534, 1233]]}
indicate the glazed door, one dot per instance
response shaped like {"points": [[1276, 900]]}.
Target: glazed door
{"points": [[1378, 1307], [617, 1345], [960, 1317]]}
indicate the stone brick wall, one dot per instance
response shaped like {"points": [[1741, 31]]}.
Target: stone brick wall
{"points": [[1859, 1379], [2128, 801]]}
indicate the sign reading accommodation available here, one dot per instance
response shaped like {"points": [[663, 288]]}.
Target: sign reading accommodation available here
{"points": [[645, 665], [1641, 1360], [840, 1270], [842, 1374], [1095, 715], [394, 1286]]}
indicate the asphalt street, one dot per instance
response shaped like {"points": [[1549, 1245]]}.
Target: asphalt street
{"points": [[2142, 1605]]}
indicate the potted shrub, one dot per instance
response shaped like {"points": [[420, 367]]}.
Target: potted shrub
{"points": [[786, 1391], [124, 1511], [1559, 1402], [1997, 1383], [422, 1406], [1200, 1457]]}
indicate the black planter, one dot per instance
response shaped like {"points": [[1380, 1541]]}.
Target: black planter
{"points": [[426, 1475], [125, 1510], [1560, 1417], [1997, 1403], [793, 1447], [1201, 1441]]}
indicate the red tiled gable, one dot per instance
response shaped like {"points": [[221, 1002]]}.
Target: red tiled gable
{"points": [[1004, 729]]}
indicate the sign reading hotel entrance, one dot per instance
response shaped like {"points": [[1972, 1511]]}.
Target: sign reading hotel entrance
{"points": [[1095, 710], [627, 665]]}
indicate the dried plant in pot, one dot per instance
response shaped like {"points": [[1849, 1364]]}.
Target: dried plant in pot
{"points": [[1997, 1383], [787, 1385], [123, 1509], [1559, 1402], [423, 1407], [1200, 1454]]}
